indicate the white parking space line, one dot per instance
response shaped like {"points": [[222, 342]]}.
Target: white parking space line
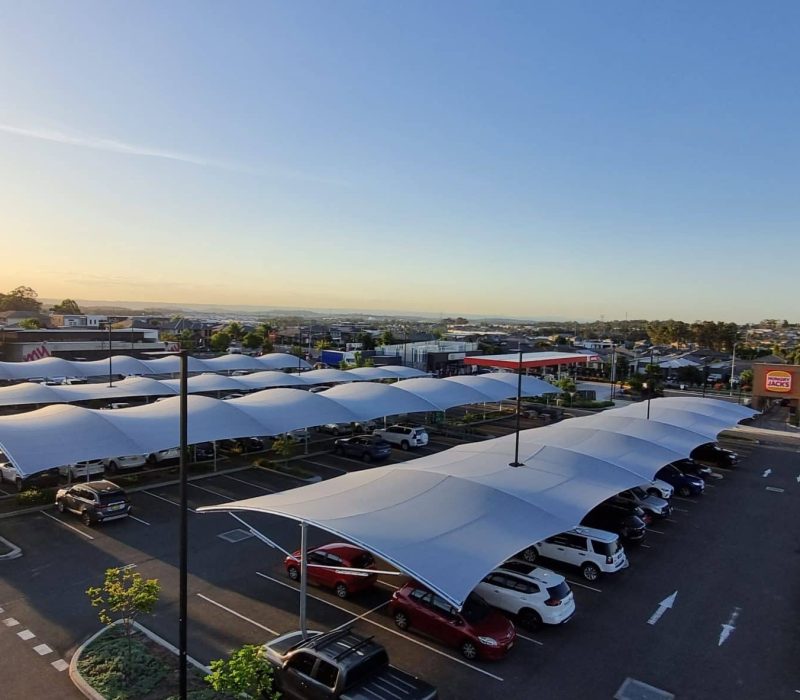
{"points": [[43, 649], [25, 635], [10, 622], [646, 546], [167, 500], [211, 491], [529, 639], [668, 520], [388, 629], [328, 466], [388, 585], [658, 532], [239, 615], [679, 510], [363, 615], [583, 585], [774, 489], [138, 520], [59, 665], [248, 483], [60, 522]]}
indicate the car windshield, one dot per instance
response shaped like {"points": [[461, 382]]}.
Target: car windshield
{"points": [[475, 609], [607, 549], [639, 492], [559, 592]]}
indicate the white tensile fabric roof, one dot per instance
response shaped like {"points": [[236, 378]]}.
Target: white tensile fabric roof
{"points": [[446, 519], [269, 412], [124, 364], [451, 390], [449, 518]]}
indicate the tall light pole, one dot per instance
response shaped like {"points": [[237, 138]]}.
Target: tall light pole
{"points": [[516, 462], [733, 366], [183, 529], [108, 327]]}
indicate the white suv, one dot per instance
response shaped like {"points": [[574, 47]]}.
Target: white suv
{"points": [[403, 435], [533, 594], [83, 470], [592, 551]]}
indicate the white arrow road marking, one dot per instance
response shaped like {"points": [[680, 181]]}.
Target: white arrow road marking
{"points": [[729, 627], [767, 472], [663, 606]]}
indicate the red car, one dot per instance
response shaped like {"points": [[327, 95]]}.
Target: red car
{"points": [[340, 556], [478, 630]]}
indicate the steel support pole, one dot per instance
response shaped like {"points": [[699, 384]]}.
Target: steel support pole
{"points": [[516, 462], [184, 534], [303, 576], [108, 325]]}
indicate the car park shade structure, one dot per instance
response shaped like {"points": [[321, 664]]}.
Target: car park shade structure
{"points": [[531, 360], [126, 365], [450, 518], [61, 434]]}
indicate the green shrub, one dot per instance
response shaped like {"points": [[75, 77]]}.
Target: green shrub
{"points": [[36, 497], [102, 664]]}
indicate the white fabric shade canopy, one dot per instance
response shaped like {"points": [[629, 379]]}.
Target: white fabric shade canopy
{"points": [[124, 364], [449, 518], [268, 412]]}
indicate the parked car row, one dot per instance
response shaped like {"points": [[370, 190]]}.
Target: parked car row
{"points": [[519, 591]]}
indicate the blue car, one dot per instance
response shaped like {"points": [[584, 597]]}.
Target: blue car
{"points": [[684, 484]]}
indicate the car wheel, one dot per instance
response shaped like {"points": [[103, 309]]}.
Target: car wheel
{"points": [[367, 457], [341, 590], [294, 573], [61, 507], [401, 620], [530, 555], [590, 572], [86, 519], [684, 491], [529, 619], [404, 445], [469, 649]]}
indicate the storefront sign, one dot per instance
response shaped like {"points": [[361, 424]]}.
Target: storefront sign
{"points": [[778, 381]]}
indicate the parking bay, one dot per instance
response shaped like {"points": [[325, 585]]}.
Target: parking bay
{"points": [[733, 549]]}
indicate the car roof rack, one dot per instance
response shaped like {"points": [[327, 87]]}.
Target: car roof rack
{"points": [[353, 648], [325, 637]]}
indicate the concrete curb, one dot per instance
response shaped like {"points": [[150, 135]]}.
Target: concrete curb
{"points": [[14, 553], [83, 686]]}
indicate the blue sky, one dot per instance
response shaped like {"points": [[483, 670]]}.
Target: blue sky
{"points": [[561, 159]]}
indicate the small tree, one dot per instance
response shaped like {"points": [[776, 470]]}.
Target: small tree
{"points": [[284, 447], [246, 674], [220, 341], [30, 324], [746, 378], [124, 591], [253, 340]]}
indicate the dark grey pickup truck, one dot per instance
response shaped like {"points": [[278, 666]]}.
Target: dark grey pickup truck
{"points": [[340, 665]]}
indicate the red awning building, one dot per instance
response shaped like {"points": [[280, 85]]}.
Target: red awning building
{"points": [[531, 360]]}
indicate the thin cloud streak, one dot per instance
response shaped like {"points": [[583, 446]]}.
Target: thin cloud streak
{"points": [[110, 145]]}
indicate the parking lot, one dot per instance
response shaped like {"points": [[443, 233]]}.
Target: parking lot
{"points": [[732, 556]]}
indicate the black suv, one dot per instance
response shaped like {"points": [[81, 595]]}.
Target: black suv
{"points": [[714, 455], [94, 501], [628, 521]]}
